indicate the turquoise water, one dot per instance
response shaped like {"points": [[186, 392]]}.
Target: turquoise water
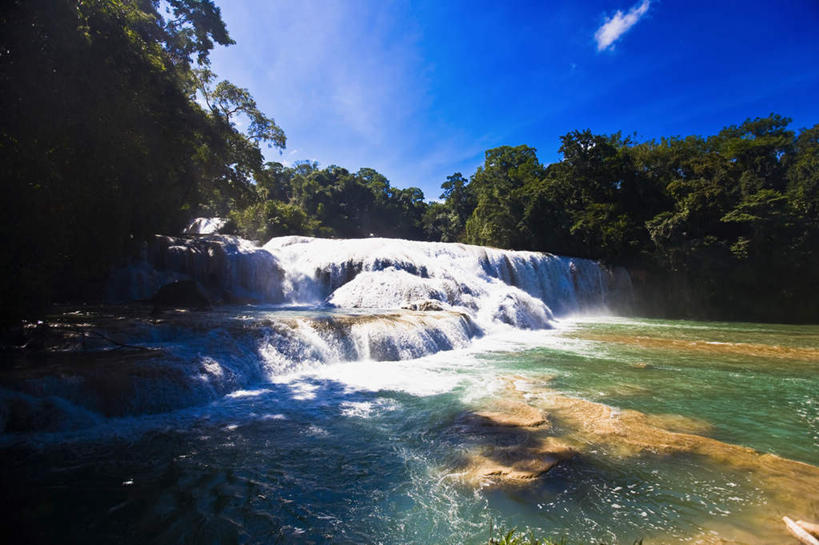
{"points": [[748, 397], [370, 452]]}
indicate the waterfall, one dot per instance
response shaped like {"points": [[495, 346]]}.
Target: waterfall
{"points": [[228, 269], [522, 289], [205, 226], [314, 302], [194, 358]]}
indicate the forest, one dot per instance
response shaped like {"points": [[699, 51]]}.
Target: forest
{"points": [[115, 128]]}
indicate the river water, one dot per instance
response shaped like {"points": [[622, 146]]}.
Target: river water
{"points": [[665, 431]]}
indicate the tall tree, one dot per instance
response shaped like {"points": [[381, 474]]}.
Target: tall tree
{"points": [[499, 190], [101, 140]]}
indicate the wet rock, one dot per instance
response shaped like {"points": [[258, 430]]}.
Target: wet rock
{"points": [[507, 443], [430, 305], [512, 413], [518, 462], [228, 269]]}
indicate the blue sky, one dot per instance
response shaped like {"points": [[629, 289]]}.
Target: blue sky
{"points": [[419, 90]]}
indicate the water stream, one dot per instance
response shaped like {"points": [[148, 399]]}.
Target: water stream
{"points": [[334, 415]]}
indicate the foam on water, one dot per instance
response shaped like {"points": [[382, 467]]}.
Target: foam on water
{"points": [[523, 289], [396, 300], [368, 451], [195, 359]]}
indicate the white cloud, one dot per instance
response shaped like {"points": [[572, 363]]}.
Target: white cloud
{"points": [[618, 24], [345, 79]]}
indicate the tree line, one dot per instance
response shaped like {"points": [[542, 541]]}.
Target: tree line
{"points": [[725, 226], [115, 128], [328, 202]]}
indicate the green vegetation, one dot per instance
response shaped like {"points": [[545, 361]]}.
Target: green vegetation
{"points": [[720, 227], [332, 201], [115, 128], [724, 226], [103, 138]]}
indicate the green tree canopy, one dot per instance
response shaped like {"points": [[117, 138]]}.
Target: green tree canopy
{"points": [[102, 141]]}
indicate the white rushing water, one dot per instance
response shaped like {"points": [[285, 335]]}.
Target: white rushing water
{"points": [[316, 302], [522, 289], [526, 290], [205, 226], [340, 391]]}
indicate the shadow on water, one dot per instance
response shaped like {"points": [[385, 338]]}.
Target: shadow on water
{"points": [[312, 461], [275, 466], [309, 461]]}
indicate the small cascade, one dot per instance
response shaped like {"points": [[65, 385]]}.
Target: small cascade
{"points": [[187, 359], [291, 345], [205, 226], [316, 302]]}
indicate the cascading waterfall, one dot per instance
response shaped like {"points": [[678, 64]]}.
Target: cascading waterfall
{"points": [[315, 301], [393, 391], [205, 226], [523, 289]]}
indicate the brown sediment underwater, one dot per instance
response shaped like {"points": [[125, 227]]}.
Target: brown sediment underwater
{"points": [[713, 347], [513, 442], [507, 444], [679, 423], [790, 486], [511, 412], [630, 432]]}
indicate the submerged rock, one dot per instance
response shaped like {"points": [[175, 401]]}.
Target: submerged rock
{"points": [[508, 443], [758, 350], [630, 434], [506, 465]]}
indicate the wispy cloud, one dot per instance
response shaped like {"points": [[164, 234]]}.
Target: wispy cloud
{"points": [[346, 88], [617, 25]]}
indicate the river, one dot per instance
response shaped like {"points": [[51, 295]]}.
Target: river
{"points": [[343, 423]]}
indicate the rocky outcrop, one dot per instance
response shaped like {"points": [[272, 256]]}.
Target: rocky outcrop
{"points": [[428, 305], [508, 443], [227, 269]]}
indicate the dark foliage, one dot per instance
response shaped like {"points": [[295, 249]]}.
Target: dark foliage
{"points": [[102, 141], [723, 227], [114, 129]]}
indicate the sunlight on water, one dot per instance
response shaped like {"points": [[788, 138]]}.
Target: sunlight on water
{"points": [[404, 392], [374, 451]]}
